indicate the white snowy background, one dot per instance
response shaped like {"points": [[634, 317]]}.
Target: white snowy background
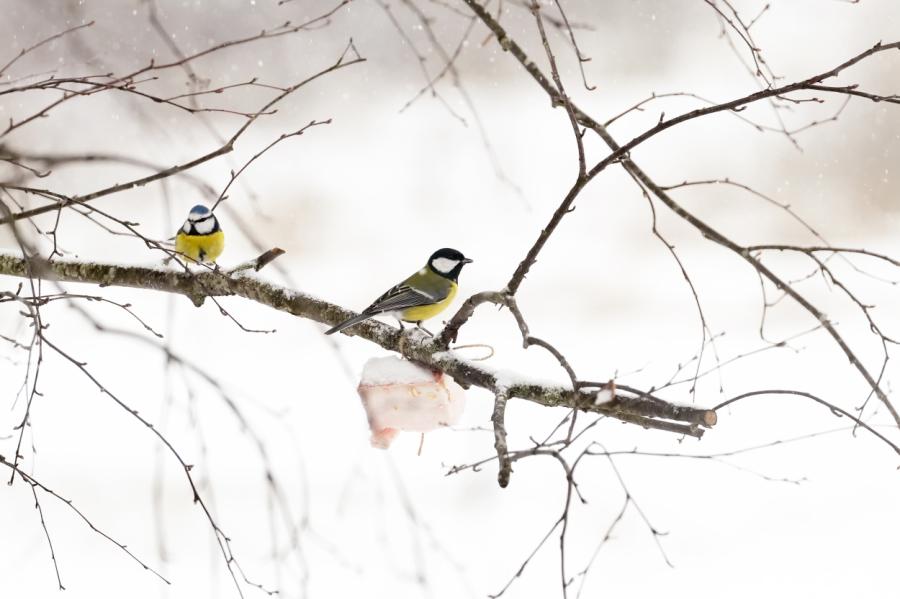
{"points": [[359, 204]]}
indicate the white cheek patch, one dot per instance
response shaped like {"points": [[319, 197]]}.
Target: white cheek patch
{"points": [[205, 226], [444, 265], [186, 227]]}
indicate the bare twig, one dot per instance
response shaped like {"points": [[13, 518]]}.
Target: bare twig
{"points": [[497, 418]]}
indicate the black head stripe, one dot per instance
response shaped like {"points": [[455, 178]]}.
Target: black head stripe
{"points": [[194, 224]]}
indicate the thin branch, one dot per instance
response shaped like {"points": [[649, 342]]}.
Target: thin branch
{"points": [[34, 483], [837, 411], [33, 47], [342, 62], [497, 418]]}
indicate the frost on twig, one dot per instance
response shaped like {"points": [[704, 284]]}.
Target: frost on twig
{"points": [[606, 394], [259, 262]]}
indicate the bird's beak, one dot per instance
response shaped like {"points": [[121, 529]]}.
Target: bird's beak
{"points": [[467, 261]]}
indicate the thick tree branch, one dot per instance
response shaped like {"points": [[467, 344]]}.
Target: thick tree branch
{"points": [[628, 405]]}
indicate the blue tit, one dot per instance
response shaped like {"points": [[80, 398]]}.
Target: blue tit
{"points": [[200, 237], [421, 296]]}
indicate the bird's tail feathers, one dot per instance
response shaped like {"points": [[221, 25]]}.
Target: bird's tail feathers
{"points": [[348, 323]]}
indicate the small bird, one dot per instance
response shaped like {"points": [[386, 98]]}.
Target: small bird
{"points": [[421, 296], [200, 238]]}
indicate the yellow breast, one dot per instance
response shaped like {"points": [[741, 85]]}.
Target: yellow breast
{"points": [[425, 312], [200, 248]]}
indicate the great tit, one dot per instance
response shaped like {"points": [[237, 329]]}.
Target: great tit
{"points": [[421, 296], [200, 237]]}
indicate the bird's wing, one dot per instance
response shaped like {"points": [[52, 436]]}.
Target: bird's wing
{"points": [[403, 296], [415, 291]]}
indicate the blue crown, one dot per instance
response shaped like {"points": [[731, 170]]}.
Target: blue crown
{"points": [[199, 209]]}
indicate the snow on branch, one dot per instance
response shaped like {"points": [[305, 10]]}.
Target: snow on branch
{"points": [[627, 404]]}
